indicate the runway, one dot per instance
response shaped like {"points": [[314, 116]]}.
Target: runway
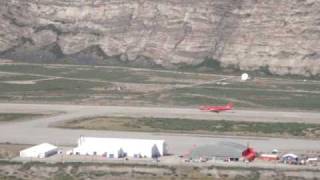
{"points": [[189, 113], [38, 130]]}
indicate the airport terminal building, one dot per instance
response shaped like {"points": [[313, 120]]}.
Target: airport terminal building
{"points": [[118, 147]]}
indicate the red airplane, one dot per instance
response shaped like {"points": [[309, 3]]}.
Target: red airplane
{"points": [[217, 109]]}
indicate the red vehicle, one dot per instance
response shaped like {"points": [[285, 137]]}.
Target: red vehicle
{"points": [[249, 154], [217, 109]]}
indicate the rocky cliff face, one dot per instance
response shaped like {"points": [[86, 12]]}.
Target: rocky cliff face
{"points": [[280, 36]]}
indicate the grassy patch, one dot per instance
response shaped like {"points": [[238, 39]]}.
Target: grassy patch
{"points": [[6, 117], [33, 69], [107, 170], [114, 75], [19, 78], [63, 176], [197, 126], [245, 97], [52, 90], [141, 87]]}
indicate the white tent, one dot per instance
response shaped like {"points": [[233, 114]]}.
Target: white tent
{"points": [[39, 151], [293, 156], [117, 147]]}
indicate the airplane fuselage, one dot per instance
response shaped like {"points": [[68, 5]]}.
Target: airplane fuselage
{"points": [[217, 109]]}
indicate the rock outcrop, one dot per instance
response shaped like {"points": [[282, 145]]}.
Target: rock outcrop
{"points": [[280, 36]]}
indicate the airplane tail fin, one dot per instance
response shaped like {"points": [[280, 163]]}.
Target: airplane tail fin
{"points": [[230, 105]]}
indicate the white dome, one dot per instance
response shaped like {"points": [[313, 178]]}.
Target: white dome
{"points": [[244, 77]]}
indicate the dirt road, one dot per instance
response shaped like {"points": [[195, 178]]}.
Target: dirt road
{"points": [[37, 131]]}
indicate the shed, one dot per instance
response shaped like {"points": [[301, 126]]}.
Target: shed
{"points": [[39, 151]]}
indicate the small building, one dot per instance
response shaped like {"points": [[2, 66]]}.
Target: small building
{"points": [[117, 147], [39, 151]]}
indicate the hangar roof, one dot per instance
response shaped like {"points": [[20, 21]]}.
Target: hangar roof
{"points": [[219, 149], [44, 147]]}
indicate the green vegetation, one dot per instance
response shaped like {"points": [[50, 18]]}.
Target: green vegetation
{"points": [[246, 97], [63, 176], [114, 75], [13, 117], [107, 170], [51, 90], [130, 170], [119, 85], [264, 70], [208, 65], [197, 126], [19, 78], [33, 69]]}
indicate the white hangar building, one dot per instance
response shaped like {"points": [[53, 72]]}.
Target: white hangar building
{"points": [[39, 151], [117, 147]]}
